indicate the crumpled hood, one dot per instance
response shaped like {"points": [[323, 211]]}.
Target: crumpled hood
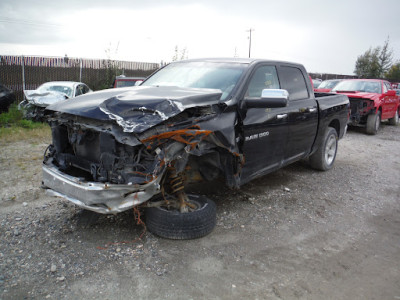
{"points": [[361, 95], [137, 109], [44, 99]]}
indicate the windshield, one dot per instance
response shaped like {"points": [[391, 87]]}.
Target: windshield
{"points": [[328, 84], [125, 83], [316, 83], [207, 75], [56, 88], [359, 86]]}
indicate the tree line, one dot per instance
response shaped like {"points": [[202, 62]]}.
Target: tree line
{"points": [[378, 63]]}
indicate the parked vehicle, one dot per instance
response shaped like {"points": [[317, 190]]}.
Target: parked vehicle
{"points": [[7, 97], [316, 82], [395, 85], [371, 101], [123, 81], [327, 85], [234, 119], [48, 93]]}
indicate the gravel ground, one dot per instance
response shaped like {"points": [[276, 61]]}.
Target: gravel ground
{"points": [[293, 234]]}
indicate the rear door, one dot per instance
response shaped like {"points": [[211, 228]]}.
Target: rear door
{"points": [[302, 113]]}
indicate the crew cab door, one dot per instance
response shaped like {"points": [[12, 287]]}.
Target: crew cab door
{"points": [[264, 129], [390, 101], [302, 113]]}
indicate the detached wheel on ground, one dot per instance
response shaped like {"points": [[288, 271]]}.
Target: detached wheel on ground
{"points": [[324, 157], [395, 120], [373, 123], [170, 223]]}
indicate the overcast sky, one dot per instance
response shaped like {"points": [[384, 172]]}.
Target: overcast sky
{"points": [[325, 36]]}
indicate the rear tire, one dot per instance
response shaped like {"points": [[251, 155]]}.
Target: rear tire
{"points": [[395, 120], [373, 123], [324, 158], [172, 224]]}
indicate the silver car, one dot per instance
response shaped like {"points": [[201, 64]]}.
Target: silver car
{"points": [[48, 93]]}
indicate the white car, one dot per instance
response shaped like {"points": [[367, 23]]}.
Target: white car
{"points": [[48, 93]]}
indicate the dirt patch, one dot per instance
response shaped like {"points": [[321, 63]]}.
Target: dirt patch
{"points": [[296, 233]]}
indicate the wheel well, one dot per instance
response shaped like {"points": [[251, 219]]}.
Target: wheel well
{"points": [[336, 125]]}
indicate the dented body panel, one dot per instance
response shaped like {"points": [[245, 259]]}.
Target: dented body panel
{"points": [[116, 149]]}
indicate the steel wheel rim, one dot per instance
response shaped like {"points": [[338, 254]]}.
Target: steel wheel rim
{"points": [[330, 150]]}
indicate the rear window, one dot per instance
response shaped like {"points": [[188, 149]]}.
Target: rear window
{"points": [[124, 83], [293, 81]]}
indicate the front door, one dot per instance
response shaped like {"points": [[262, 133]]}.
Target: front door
{"points": [[265, 129]]}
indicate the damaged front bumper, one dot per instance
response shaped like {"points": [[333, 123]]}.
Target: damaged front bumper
{"points": [[98, 197]]}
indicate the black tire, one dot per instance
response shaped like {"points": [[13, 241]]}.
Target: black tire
{"points": [[324, 158], [172, 224], [395, 120], [373, 123]]}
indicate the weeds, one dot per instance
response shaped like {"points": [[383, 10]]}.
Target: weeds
{"points": [[13, 127]]}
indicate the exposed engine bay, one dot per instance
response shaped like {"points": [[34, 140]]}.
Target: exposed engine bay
{"points": [[103, 156]]}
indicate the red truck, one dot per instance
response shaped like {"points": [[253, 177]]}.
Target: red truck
{"points": [[371, 101]]}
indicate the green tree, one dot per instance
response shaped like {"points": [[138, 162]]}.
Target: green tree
{"points": [[385, 58], [367, 64], [111, 69], [375, 62], [393, 73]]}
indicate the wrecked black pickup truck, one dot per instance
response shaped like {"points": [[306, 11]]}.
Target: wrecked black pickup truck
{"points": [[194, 120]]}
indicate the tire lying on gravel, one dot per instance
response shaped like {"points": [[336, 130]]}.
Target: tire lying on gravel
{"points": [[324, 158], [172, 224]]}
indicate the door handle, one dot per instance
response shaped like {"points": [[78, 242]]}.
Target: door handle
{"points": [[282, 116]]}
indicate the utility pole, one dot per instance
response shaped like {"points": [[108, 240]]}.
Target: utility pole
{"points": [[250, 30]]}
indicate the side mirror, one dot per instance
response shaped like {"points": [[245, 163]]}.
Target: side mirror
{"points": [[391, 93], [270, 98]]}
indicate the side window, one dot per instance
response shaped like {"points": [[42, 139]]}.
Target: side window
{"points": [[264, 77], [77, 91], [388, 86], [85, 89], [293, 81], [385, 88]]}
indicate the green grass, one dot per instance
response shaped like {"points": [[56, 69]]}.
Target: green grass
{"points": [[13, 127]]}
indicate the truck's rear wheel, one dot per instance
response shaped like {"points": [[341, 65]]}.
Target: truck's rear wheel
{"points": [[325, 156], [395, 120], [373, 123], [170, 223]]}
